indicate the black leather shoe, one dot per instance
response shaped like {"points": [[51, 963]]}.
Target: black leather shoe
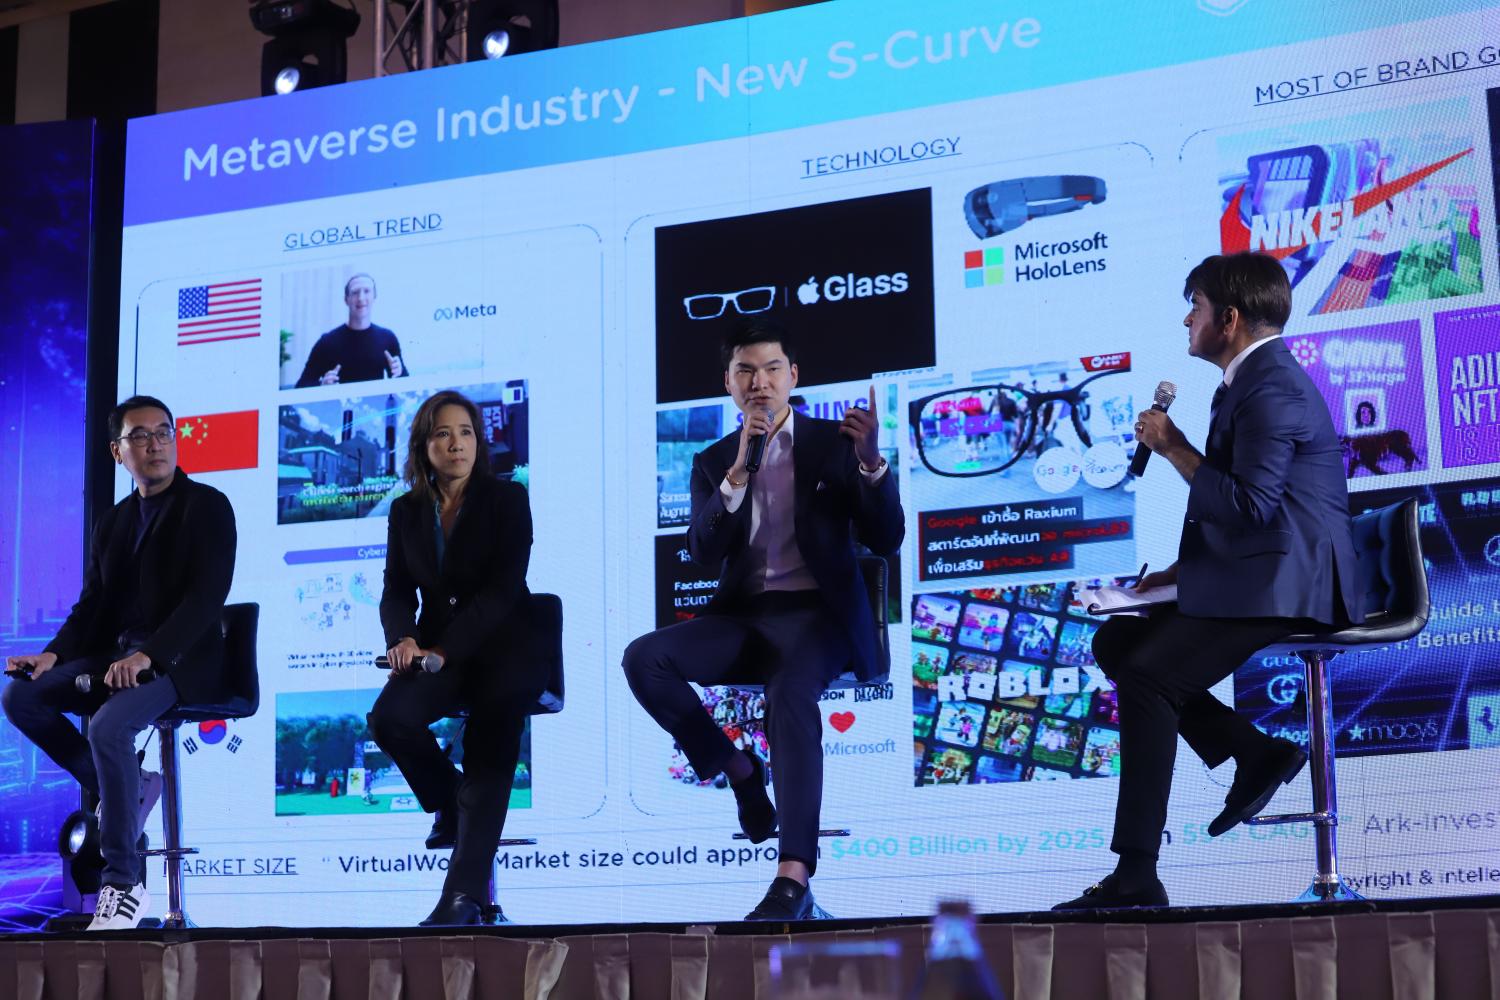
{"points": [[757, 814], [788, 899], [1256, 783], [1106, 894], [455, 909], [444, 832]]}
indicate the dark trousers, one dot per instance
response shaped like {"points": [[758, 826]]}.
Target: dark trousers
{"points": [[795, 653], [399, 721], [1162, 667], [105, 763]]}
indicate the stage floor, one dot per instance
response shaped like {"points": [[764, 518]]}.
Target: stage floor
{"points": [[1448, 948]]}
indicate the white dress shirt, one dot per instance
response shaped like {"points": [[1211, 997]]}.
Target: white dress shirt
{"points": [[773, 532], [1239, 358]]}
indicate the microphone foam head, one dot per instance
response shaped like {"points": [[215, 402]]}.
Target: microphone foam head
{"points": [[1166, 393]]}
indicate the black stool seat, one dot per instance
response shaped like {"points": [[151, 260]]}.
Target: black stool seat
{"points": [[1393, 578]]}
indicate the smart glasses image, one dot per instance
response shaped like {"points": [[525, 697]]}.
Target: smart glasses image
{"points": [[1005, 206], [746, 301], [984, 429]]}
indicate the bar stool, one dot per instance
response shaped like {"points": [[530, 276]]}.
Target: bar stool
{"points": [[1393, 577], [239, 623]]}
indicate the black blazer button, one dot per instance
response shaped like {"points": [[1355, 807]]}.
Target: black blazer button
{"points": [[452, 601]]}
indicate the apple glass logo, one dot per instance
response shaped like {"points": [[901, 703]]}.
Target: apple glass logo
{"points": [[807, 292]]}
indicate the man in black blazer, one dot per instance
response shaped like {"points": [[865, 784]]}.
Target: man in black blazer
{"points": [[159, 568], [1266, 550], [791, 610]]}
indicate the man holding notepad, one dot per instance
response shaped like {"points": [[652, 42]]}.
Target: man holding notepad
{"points": [[1265, 549]]}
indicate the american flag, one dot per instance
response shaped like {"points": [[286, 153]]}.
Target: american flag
{"points": [[229, 310]]}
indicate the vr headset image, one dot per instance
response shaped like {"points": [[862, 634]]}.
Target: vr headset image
{"points": [[1005, 206]]}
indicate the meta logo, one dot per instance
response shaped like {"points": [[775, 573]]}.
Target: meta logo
{"points": [[464, 312], [839, 287]]}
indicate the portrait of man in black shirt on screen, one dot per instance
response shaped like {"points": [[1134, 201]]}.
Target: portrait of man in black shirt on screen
{"points": [[358, 350]]}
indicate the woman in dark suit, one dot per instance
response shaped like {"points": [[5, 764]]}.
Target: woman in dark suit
{"points": [[462, 539]]}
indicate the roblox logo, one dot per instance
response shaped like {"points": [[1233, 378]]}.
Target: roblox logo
{"points": [[1016, 684]]}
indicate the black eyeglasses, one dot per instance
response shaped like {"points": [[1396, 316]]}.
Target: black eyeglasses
{"points": [[983, 429], [139, 437]]}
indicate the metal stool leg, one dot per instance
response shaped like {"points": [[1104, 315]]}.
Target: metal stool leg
{"points": [[1326, 886], [171, 820]]}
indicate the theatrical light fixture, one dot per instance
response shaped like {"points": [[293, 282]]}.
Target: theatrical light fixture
{"points": [[498, 28], [83, 865], [308, 46], [496, 44]]}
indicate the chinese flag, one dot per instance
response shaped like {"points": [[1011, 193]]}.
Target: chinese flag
{"points": [[215, 442]]}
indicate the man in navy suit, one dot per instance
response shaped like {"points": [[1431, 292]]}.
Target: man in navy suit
{"points": [[791, 610], [1266, 550]]}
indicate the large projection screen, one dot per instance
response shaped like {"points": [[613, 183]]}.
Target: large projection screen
{"points": [[984, 211]]}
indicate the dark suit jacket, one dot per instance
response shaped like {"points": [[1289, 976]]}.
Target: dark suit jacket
{"points": [[181, 577], [1267, 532], [831, 498], [473, 604]]}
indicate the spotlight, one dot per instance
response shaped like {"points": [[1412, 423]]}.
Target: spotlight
{"points": [[499, 28], [496, 44], [83, 865], [308, 43], [287, 80]]}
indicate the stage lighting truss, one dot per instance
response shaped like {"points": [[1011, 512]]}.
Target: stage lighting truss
{"points": [[308, 44], [420, 34]]}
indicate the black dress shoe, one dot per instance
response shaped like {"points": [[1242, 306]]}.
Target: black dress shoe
{"points": [[444, 832], [1106, 894], [757, 814], [788, 899], [1256, 783], [455, 909]]}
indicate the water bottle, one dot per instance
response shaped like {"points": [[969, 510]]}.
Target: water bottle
{"points": [[956, 969]]}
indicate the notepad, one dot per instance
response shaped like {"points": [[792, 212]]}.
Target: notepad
{"points": [[1127, 600]]}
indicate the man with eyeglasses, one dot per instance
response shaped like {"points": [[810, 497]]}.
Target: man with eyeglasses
{"points": [[791, 610], [159, 568], [357, 350]]}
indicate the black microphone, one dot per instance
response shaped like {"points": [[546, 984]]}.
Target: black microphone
{"points": [[85, 683], [426, 661], [757, 451], [1166, 392]]}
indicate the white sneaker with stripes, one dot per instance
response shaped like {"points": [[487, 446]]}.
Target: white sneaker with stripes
{"points": [[120, 909]]}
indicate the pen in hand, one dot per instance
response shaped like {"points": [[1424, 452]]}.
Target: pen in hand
{"points": [[1141, 575]]}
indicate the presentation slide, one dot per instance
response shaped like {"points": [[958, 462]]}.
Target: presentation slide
{"points": [[982, 212]]}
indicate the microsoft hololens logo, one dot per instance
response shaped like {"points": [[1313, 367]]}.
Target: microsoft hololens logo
{"points": [[984, 267]]}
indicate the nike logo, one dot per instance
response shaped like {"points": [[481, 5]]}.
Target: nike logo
{"points": [[1235, 235]]}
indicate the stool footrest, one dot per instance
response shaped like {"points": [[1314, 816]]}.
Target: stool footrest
{"points": [[1316, 818], [170, 852], [834, 832]]}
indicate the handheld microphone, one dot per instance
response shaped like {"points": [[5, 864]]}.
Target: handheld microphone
{"points": [[86, 683], [756, 451], [1166, 392], [426, 662]]}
